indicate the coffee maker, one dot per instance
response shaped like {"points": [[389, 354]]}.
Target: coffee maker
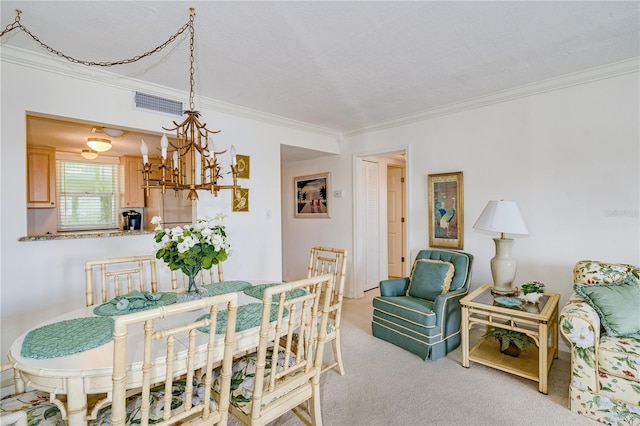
{"points": [[131, 220]]}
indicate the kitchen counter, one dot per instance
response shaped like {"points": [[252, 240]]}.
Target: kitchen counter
{"points": [[90, 234]]}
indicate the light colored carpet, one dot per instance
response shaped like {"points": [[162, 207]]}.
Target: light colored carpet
{"points": [[386, 385]]}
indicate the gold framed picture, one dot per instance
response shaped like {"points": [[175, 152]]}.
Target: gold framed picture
{"points": [[445, 206], [244, 166], [240, 200], [312, 196]]}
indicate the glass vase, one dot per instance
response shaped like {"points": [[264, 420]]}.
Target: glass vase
{"points": [[193, 290]]}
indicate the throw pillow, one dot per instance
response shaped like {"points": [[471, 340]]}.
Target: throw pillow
{"points": [[430, 278], [617, 305]]}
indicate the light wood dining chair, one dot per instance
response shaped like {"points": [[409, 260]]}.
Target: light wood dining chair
{"points": [[28, 407], [213, 275], [328, 260], [180, 342], [284, 373], [107, 278]]}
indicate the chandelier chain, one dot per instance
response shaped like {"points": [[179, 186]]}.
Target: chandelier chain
{"points": [[191, 60], [17, 24]]}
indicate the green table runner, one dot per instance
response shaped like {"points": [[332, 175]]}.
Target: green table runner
{"points": [[247, 316], [67, 337], [257, 291], [224, 287], [135, 301]]}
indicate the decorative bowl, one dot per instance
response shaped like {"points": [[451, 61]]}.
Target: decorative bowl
{"points": [[531, 297]]}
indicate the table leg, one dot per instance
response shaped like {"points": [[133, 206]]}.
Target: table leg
{"points": [[76, 403], [465, 336], [554, 333], [543, 371]]}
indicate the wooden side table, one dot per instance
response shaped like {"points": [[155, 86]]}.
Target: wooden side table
{"points": [[539, 321]]}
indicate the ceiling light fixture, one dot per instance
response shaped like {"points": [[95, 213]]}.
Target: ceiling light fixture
{"points": [[99, 144], [89, 154], [194, 158], [109, 131], [114, 133]]}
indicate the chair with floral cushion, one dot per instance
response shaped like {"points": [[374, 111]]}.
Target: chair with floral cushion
{"points": [[107, 278], [325, 260], [284, 374], [27, 408], [421, 313], [180, 341], [601, 321]]}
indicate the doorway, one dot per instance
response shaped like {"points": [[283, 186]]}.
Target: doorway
{"points": [[396, 211], [379, 246]]}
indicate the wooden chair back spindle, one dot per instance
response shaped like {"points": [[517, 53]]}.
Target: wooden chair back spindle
{"points": [[118, 276], [285, 370], [188, 351], [331, 260]]}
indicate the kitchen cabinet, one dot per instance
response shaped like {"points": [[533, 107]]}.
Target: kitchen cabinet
{"points": [[133, 182], [41, 177]]}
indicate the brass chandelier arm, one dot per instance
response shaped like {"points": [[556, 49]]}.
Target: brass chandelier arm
{"points": [[17, 24]]}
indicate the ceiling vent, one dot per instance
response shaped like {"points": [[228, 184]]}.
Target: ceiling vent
{"points": [[156, 103]]}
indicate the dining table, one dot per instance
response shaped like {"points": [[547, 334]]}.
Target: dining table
{"points": [[71, 356]]}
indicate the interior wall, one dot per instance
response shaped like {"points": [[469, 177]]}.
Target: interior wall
{"points": [[41, 279], [568, 157], [300, 234]]}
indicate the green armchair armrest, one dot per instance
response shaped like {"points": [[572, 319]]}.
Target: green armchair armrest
{"points": [[394, 287]]}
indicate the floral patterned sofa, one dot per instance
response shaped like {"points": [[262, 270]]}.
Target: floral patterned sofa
{"points": [[605, 363]]}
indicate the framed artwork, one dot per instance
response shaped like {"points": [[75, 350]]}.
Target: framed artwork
{"points": [[446, 215], [244, 166], [240, 200], [312, 196]]}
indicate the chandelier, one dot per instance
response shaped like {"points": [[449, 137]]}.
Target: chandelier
{"points": [[194, 160]]}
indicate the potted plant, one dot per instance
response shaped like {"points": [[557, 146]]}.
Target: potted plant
{"points": [[511, 342], [532, 291]]}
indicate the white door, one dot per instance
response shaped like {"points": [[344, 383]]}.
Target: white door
{"points": [[395, 221], [372, 232]]}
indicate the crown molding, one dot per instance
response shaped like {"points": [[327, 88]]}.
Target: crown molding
{"points": [[557, 83], [53, 64]]}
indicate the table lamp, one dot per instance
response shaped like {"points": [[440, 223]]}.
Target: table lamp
{"points": [[503, 217]]}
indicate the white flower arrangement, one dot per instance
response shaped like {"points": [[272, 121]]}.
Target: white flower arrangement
{"points": [[192, 247]]}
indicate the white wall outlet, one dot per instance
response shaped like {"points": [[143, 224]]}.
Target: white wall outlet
{"points": [[338, 193]]}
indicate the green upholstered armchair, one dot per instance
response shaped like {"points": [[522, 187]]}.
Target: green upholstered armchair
{"points": [[421, 313]]}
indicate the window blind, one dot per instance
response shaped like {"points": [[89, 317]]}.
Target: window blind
{"points": [[87, 195]]}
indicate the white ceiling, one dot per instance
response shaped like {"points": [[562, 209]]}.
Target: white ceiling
{"points": [[341, 65]]}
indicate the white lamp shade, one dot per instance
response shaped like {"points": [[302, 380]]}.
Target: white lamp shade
{"points": [[501, 216], [99, 144]]}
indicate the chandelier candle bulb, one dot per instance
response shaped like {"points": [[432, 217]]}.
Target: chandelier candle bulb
{"points": [[211, 146], [233, 155], [175, 159], [145, 152], [164, 144]]}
